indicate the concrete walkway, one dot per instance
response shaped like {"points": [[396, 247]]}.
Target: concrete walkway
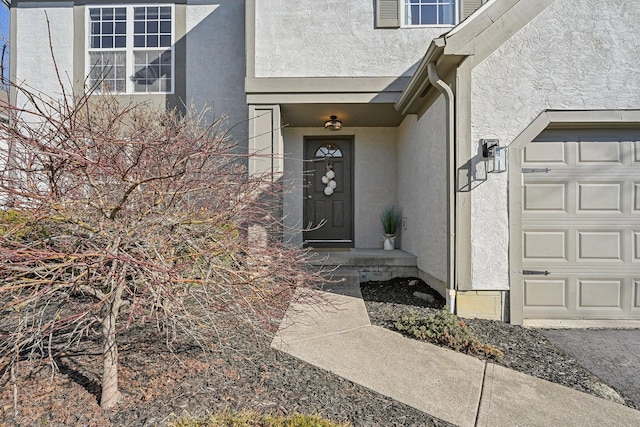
{"points": [[446, 384]]}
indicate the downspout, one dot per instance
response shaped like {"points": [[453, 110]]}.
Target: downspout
{"points": [[437, 82]]}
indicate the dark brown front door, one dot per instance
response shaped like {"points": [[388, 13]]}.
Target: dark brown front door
{"points": [[328, 193]]}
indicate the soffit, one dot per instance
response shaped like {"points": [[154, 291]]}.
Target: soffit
{"points": [[420, 93], [351, 115], [310, 101]]}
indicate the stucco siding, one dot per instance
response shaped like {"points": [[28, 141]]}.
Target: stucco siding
{"points": [[213, 51], [375, 180], [33, 66], [292, 182], [422, 188], [215, 67], [575, 55], [333, 38]]}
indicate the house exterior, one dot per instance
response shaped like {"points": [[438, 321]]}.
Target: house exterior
{"points": [[420, 86]]}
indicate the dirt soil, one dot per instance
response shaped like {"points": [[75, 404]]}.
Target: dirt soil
{"points": [[241, 372]]}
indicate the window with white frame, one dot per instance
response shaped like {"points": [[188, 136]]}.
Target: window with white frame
{"points": [[130, 48], [430, 12]]}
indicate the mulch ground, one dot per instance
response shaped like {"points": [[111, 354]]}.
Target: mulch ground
{"points": [[241, 372]]}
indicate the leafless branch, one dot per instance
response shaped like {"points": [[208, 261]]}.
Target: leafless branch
{"points": [[122, 213]]}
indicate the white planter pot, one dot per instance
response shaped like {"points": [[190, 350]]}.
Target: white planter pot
{"points": [[389, 242]]}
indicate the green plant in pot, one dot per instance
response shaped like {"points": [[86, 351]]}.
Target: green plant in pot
{"points": [[390, 219]]}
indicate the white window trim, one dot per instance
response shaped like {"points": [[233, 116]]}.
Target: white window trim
{"points": [[404, 17], [129, 49]]}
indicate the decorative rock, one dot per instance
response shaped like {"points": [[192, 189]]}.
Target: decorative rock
{"points": [[606, 392], [427, 297], [414, 282]]}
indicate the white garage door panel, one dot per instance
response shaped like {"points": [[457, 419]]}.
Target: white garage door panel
{"points": [[545, 197], [545, 245], [590, 152], [599, 197], [581, 224], [599, 246], [545, 152], [600, 294], [546, 294]]}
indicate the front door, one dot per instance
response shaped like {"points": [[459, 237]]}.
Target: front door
{"points": [[328, 193]]}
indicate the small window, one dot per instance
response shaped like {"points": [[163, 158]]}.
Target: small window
{"points": [[329, 150], [430, 12], [130, 48]]}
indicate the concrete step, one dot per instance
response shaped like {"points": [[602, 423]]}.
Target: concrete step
{"points": [[371, 264], [364, 257]]}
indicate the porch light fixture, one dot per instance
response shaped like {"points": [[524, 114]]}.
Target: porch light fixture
{"points": [[495, 155], [333, 124]]}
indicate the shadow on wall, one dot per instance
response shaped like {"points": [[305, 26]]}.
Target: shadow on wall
{"points": [[210, 63], [470, 175], [473, 173]]}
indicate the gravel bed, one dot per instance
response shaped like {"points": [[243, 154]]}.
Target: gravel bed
{"points": [[525, 350]]}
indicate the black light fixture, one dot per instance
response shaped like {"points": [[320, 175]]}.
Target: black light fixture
{"points": [[495, 155], [333, 124]]}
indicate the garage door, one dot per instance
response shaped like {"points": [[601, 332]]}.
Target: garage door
{"points": [[581, 225]]}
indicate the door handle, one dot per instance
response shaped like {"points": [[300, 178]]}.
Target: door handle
{"points": [[535, 272]]}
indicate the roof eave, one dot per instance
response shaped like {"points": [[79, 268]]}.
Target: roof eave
{"points": [[457, 43], [420, 79]]}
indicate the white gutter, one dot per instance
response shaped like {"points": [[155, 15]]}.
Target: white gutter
{"points": [[437, 82]]}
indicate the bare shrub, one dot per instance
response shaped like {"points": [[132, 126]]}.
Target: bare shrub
{"points": [[116, 214]]}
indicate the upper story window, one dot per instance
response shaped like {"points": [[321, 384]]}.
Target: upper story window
{"points": [[430, 12], [130, 48]]}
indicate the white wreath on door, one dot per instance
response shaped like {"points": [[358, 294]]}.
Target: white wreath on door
{"points": [[329, 180]]}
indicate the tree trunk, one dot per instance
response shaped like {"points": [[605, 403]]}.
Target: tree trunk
{"points": [[110, 392]]}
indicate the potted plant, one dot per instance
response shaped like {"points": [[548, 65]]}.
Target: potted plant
{"points": [[390, 218]]}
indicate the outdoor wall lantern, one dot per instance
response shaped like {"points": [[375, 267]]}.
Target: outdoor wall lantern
{"points": [[333, 124], [495, 155]]}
